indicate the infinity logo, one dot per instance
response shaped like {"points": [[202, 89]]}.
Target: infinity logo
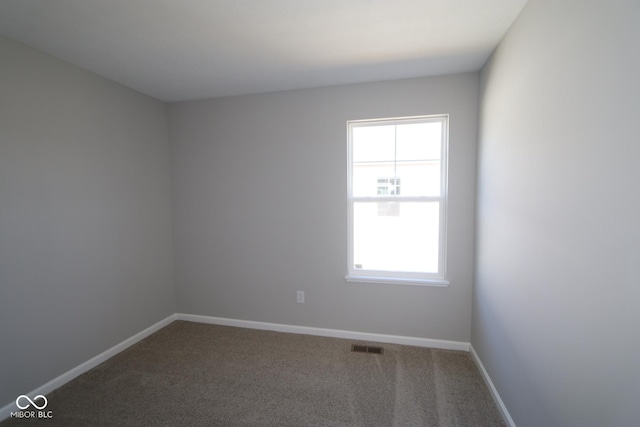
{"points": [[31, 402]]}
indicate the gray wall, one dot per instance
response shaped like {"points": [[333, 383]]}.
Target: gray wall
{"points": [[85, 224], [260, 207], [556, 319]]}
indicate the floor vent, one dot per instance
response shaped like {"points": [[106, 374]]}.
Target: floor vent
{"points": [[366, 349]]}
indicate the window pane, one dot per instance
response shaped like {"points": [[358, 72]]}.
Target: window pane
{"points": [[366, 177], [373, 143], [404, 237], [419, 178], [419, 141]]}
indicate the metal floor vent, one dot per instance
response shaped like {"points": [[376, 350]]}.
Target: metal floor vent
{"points": [[367, 349]]}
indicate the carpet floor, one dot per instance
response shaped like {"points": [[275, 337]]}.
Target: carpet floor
{"points": [[192, 374]]}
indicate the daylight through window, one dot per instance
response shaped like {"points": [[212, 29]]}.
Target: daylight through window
{"points": [[397, 195]]}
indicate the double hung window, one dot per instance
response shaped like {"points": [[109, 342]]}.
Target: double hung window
{"points": [[397, 200]]}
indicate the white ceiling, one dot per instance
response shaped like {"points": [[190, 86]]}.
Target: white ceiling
{"points": [[189, 49]]}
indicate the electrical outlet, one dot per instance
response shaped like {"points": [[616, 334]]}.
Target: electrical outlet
{"points": [[300, 297]]}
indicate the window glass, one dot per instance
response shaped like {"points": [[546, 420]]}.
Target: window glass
{"points": [[397, 198]]}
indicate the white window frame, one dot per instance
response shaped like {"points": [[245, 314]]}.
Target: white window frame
{"points": [[400, 277]]}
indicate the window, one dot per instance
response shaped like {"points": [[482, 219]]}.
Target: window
{"points": [[397, 194]]}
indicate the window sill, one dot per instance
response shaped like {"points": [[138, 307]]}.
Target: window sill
{"points": [[439, 283]]}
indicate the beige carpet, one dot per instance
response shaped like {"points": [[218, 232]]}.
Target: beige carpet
{"points": [[191, 374]]}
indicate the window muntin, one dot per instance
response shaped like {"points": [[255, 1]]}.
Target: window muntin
{"points": [[397, 199]]}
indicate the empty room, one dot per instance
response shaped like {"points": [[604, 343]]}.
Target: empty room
{"points": [[319, 213]]}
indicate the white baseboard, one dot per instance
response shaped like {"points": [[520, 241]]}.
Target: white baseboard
{"points": [[6, 410], [333, 333], [492, 388]]}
